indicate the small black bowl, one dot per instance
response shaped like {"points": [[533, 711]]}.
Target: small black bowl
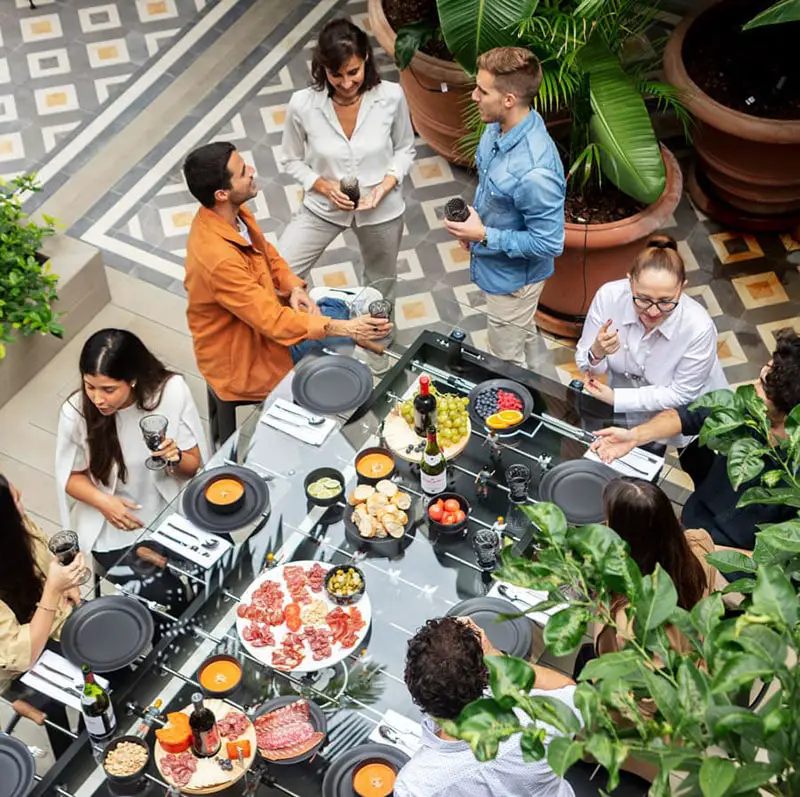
{"points": [[454, 528], [228, 690], [323, 473], [362, 479], [134, 776], [349, 600], [225, 509]]}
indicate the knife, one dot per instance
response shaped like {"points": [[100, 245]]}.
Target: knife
{"points": [[179, 542], [73, 690]]}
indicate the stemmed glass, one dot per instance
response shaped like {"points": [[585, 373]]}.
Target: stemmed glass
{"points": [[154, 431], [65, 547]]}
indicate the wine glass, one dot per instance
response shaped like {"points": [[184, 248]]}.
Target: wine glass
{"points": [[154, 431], [65, 547]]}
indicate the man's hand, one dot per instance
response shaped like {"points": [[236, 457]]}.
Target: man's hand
{"points": [[301, 302], [600, 391], [488, 648], [606, 342], [613, 443], [470, 230]]}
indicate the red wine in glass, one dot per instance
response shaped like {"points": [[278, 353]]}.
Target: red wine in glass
{"points": [[65, 547], [154, 431]]}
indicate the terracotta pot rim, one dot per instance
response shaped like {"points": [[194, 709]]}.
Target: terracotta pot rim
{"points": [[617, 233], [450, 72], [707, 109]]}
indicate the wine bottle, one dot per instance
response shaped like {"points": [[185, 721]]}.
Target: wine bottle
{"points": [[424, 407], [433, 467], [96, 706], [205, 736]]}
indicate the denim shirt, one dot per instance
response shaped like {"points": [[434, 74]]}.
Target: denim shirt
{"points": [[520, 200]]}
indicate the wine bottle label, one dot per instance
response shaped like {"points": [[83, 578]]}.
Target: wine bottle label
{"points": [[432, 459], [206, 743], [433, 484], [101, 726]]}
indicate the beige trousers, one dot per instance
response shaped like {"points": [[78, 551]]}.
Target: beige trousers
{"points": [[511, 324]]}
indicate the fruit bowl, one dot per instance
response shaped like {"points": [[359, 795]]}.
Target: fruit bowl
{"points": [[448, 528]]}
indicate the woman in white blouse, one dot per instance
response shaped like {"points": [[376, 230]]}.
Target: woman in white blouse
{"points": [[349, 123], [101, 453], [657, 345]]}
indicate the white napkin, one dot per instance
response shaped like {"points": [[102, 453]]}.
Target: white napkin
{"points": [[65, 674], [409, 733], [524, 599], [637, 463], [175, 525], [278, 417]]}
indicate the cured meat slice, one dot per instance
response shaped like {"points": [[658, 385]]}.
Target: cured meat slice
{"points": [[319, 639], [316, 577], [286, 732], [179, 768], [232, 725]]}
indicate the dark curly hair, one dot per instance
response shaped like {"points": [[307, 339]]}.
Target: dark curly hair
{"points": [[445, 670], [339, 41], [782, 381]]}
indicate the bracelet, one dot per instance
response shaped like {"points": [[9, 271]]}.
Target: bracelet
{"points": [[46, 608]]}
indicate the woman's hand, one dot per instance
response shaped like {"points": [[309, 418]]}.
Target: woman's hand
{"points": [[169, 451], [366, 327], [62, 579], [600, 391], [117, 511], [73, 596], [331, 190], [606, 342], [374, 197]]}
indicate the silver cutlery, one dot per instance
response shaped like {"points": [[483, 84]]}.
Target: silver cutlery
{"points": [[311, 420], [509, 595], [73, 690], [206, 543], [393, 734], [195, 548]]}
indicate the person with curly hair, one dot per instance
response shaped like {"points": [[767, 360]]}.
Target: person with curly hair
{"points": [[445, 672], [712, 505]]}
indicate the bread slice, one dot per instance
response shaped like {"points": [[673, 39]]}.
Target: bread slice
{"points": [[387, 488], [401, 500]]}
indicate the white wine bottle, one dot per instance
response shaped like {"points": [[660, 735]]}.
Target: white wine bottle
{"points": [[433, 467], [98, 712]]}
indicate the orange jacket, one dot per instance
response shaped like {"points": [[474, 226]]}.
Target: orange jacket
{"points": [[238, 310]]}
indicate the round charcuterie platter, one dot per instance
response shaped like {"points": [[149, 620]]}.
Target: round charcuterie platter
{"points": [[287, 621]]}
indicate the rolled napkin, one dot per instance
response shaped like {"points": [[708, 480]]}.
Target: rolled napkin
{"points": [[456, 210]]}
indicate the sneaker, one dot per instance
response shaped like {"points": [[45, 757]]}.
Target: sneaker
{"points": [[346, 295]]}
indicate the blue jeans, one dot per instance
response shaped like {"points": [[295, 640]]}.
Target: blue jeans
{"points": [[332, 308]]}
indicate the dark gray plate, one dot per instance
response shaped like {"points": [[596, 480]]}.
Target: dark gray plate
{"points": [[512, 637], [339, 777], [501, 384], [198, 510], [331, 384], [16, 767], [577, 488], [317, 720], [107, 633]]}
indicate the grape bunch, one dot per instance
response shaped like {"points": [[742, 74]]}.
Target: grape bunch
{"points": [[452, 416], [488, 402]]}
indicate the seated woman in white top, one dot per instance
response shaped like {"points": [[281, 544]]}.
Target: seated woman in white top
{"points": [[657, 346], [101, 452], [349, 123]]}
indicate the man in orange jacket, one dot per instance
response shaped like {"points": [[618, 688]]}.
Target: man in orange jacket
{"points": [[247, 311]]}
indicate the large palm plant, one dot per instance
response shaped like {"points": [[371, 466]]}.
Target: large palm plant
{"points": [[583, 46]]}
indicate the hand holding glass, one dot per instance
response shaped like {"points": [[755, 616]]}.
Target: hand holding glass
{"points": [[65, 547], [154, 431]]}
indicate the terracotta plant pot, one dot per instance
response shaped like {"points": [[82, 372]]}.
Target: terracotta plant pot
{"points": [[597, 253], [437, 114], [750, 163]]}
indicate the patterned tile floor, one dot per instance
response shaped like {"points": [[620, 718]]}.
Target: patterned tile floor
{"points": [[750, 284]]}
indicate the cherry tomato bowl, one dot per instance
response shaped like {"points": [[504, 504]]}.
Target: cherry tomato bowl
{"points": [[448, 513]]}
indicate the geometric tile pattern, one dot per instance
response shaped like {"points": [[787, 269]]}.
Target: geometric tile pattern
{"points": [[748, 283], [61, 62]]}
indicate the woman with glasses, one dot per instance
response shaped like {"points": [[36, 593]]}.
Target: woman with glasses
{"points": [[657, 346]]}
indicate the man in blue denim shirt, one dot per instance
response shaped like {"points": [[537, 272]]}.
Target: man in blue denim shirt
{"points": [[516, 228]]}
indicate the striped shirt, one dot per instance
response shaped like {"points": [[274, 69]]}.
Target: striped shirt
{"points": [[444, 768]]}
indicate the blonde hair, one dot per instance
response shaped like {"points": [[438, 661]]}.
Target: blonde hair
{"points": [[516, 71], [660, 253]]}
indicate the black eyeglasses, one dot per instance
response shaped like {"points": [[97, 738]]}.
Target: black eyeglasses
{"points": [[663, 305]]}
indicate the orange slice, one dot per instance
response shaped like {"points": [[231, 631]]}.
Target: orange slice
{"points": [[496, 421], [510, 417]]}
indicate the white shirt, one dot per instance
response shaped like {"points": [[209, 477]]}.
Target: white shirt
{"points": [[314, 145], [665, 368], [444, 768], [152, 489]]}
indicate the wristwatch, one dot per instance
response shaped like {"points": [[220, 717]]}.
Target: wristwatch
{"points": [[594, 360]]}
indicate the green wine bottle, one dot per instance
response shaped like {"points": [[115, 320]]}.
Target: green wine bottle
{"points": [[433, 467], [98, 712]]}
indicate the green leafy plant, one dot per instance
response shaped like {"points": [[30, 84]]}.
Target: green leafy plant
{"points": [[27, 288], [584, 47], [782, 11], [682, 712]]}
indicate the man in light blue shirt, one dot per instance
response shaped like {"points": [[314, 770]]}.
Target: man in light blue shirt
{"points": [[516, 228], [445, 671]]}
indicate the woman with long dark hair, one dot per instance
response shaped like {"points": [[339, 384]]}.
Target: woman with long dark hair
{"points": [[100, 450], [37, 592], [641, 513], [348, 124]]}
